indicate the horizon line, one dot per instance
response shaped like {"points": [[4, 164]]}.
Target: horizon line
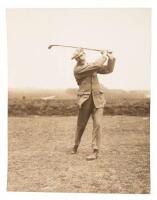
{"points": [[35, 88]]}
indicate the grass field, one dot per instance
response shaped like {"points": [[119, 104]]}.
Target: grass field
{"points": [[40, 159]]}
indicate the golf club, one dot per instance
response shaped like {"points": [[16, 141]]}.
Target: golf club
{"points": [[58, 45]]}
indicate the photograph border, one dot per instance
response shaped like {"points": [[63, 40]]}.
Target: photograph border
{"points": [[4, 95]]}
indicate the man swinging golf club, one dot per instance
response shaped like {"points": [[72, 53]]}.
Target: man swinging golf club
{"points": [[91, 98]]}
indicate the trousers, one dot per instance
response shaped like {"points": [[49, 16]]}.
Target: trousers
{"points": [[88, 108]]}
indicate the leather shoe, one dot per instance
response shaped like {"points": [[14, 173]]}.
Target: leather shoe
{"points": [[92, 156], [74, 150]]}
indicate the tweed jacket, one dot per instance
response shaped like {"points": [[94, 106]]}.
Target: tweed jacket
{"points": [[87, 80]]}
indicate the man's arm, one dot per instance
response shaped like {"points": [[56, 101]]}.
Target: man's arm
{"points": [[108, 66], [90, 67]]}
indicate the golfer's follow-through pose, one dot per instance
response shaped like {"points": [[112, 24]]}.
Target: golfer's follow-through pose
{"points": [[91, 98]]}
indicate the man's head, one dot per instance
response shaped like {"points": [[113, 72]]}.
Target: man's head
{"points": [[79, 55]]}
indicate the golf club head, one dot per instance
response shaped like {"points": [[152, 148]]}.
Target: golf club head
{"points": [[49, 47]]}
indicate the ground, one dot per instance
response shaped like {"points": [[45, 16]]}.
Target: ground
{"points": [[40, 159]]}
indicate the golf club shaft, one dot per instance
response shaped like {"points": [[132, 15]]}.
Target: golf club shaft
{"points": [[55, 45]]}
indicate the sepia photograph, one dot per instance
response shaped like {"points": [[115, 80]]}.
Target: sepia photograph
{"points": [[79, 100]]}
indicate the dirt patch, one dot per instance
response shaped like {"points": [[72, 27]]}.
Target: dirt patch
{"points": [[40, 159]]}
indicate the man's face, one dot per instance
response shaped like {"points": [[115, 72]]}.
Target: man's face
{"points": [[81, 58]]}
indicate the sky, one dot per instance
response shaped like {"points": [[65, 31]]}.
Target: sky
{"points": [[125, 31]]}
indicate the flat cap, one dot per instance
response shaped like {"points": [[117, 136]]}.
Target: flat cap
{"points": [[78, 52]]}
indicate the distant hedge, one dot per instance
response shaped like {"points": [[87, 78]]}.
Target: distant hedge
{"points": [[68, 107]]}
